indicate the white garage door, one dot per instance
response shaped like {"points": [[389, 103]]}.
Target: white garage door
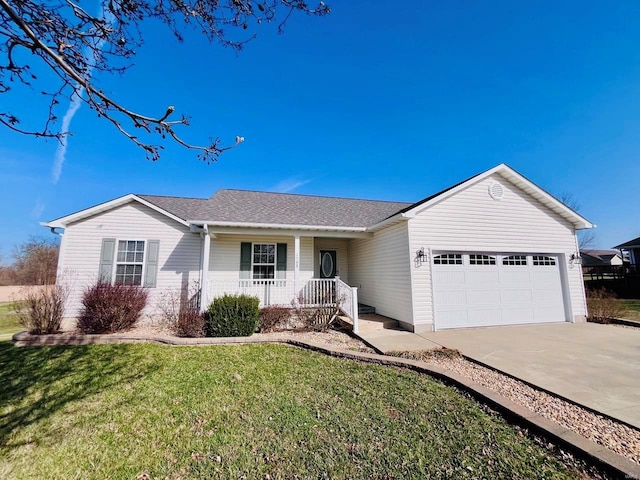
{"points": [[483, 289]]}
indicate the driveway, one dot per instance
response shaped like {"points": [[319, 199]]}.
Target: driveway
{"points": [[594, 365]]}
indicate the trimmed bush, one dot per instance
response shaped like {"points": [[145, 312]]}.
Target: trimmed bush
{"points": [[111, 308], [190, 323], [274, 317], [602, 305], [42, 309], [232, 316]]}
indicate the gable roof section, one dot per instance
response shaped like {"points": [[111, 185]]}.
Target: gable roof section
{"points": [[601, 254], [635, 243], [283, 210], [519, 180], [62, 222]]}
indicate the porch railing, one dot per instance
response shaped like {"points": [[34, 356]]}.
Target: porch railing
{"points": [[316, 292]]}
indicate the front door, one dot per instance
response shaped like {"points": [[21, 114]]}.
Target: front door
{"points": [[328, 263]]}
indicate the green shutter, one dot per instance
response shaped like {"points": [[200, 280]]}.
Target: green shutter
{"points": [[245, 260], [151, 263], [106, 259], [281, 261]]}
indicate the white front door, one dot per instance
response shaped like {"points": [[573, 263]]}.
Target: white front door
{"points": [[484, 289]]}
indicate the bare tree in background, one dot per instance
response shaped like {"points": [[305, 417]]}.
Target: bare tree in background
{"points": [[75, 44], [34, 263], [587, 237]]}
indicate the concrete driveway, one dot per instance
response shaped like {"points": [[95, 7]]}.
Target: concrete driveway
{"points": [[594, 365]]}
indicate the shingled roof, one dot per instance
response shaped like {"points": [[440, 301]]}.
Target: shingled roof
{"points": [[244, 206]]}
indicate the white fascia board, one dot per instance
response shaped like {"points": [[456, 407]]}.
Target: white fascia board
{"points": [[278, 226], [390, 221], [216, 230], [578, 221], [62, 222]]}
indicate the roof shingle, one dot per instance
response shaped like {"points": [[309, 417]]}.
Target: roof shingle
{"points": [[244, 206]]}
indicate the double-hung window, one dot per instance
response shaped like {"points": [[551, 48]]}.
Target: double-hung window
{"points": [[264, 261], [129, 262]]}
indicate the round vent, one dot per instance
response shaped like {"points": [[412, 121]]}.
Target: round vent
{"points": [[496, 191]]}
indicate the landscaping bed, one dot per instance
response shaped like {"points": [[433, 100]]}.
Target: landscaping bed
{"points": [[252, 411]]}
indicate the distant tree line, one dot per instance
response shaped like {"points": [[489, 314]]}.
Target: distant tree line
{"points": [[34, 262]]}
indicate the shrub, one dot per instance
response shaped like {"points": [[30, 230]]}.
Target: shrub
{"points": [[232, 316], [173, 301], [189, 323], [274, 317], [42, 308], [111, 308], [602, 305]]}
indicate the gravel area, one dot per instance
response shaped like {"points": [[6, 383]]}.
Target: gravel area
{"points": [[613, 435]]}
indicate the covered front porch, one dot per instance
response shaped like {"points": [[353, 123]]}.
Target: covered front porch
{"points": [[290, 270]]}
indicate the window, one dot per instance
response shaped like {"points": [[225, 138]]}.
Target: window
{"points": [[539, 260], [515, 260], [448, 259], [129, 262], [264, 261], [482, 260]]}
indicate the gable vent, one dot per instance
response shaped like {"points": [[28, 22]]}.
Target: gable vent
{"points": [[496, 191]]}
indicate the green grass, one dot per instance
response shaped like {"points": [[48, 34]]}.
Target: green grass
{"points": [[631, 309], [8, 321], [259, 411]]}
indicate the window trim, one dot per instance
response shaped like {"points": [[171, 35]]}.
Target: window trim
{"points": [[482, 259], [544, 261], [448, 258], [116, 263], [275, 261], [511, 261]]}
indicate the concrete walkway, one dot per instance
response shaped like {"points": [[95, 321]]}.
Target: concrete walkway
{"points": [[597, 366]]}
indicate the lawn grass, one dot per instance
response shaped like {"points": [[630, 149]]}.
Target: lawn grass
{"points": [[253, 411], [631, 309], [8, 321]]}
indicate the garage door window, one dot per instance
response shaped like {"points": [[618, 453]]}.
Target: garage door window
{"points": [[448, 259], [515, 260], [482, 260], [540, 260]]}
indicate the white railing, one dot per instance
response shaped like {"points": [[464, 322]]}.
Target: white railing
{"points": [[316, 292], [270, 292], [348, 298]]}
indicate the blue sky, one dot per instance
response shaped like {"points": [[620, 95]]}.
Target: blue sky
{"points": [[381, 100]]}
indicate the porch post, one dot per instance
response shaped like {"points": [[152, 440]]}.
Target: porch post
{"points": [[204, 271], [296, 264]]}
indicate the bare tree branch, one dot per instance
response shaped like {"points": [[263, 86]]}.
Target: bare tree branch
{"points": [[74, 44]]}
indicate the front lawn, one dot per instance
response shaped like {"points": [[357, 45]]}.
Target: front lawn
{"points": [[8, 321], [258, 411], [631, 309]]}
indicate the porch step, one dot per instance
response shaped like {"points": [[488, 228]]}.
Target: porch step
{"points": [[365, 309], [371, 322]]}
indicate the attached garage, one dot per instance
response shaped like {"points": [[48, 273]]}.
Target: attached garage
{"points": [[476, 289]]}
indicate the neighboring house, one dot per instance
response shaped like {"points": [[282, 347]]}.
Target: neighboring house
{"points": [[633, 247], [591, 258], [493, 250]]}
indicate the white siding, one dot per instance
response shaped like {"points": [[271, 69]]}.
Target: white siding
{"points": [[471, 220], [179, 253], [340, 245], [380, 267], [224, 259]]}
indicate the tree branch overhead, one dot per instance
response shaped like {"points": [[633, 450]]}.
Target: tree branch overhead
{"points": [[74, 44]]}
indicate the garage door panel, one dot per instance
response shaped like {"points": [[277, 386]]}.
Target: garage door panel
{"points": [[456, 298], [482, 317], [516, 296], [483, 296], [468, 295], [476, 277]]}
